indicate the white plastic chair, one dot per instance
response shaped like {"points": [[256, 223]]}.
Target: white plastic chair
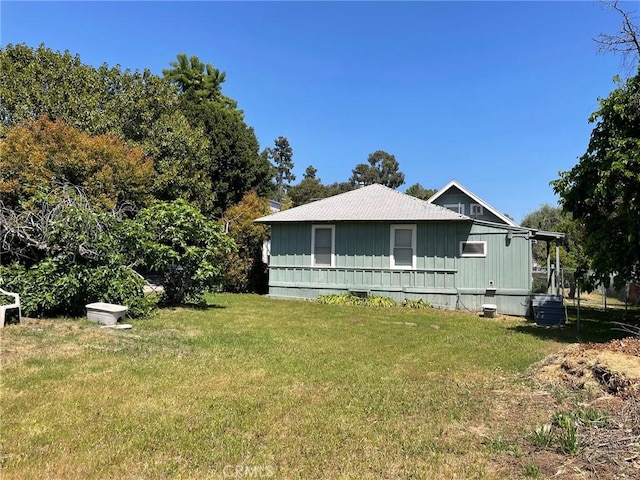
{"points": [[14, 305]]}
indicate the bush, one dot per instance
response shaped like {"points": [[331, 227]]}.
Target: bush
{"points": [[351, 299], [244, 269], [53, 288], [178, 242], [417, 304], [64, 255]]}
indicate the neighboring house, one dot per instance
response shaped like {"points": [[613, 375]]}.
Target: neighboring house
{"points": [[377, 241]]}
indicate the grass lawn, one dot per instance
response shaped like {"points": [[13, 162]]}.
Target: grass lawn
{"points": [[258, 388]]}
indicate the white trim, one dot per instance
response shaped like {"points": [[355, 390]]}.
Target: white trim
{"points": [[456, 207], [484, 248], [313, 245], [392, 236]]}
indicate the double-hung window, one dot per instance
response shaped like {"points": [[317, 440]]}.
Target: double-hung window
{"points": [[403, 246], [323, 245]]}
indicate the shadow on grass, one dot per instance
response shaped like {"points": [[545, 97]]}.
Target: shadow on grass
{"points": [[201, 306], [596, 325]]}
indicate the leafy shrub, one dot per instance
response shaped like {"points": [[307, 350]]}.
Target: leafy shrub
{"points": [[244, 269], [375, 301], [52, 288], [539, 285], [178, 242], [417, 304], [64, 255], [340, 299], [351, 299]]}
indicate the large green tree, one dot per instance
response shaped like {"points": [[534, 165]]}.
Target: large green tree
{"points": [[197, 81], [418, 191], [602, 191], [180, 158], [231, 164], [309, 189], [282, 156], [96, 100], [203, 150], [555, 219], [382, 168]]}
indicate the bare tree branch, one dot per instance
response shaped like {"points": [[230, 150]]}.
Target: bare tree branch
{"points": [[626, 42], [29, 233]]}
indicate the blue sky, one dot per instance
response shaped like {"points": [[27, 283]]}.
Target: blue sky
{"points": [[495, 95]]}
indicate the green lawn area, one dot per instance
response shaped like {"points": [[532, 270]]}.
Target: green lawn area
{"points": [[252, 387]]}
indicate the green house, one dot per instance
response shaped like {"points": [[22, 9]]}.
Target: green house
{"points": [[377, 241]]}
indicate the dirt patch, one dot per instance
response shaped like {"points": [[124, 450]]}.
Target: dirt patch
{"points": [[612, 368], [606, 377]]}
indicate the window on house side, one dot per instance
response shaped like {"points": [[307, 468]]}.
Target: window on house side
{"points": [[322, 245], [476, 210], [473, 249], [456, 207], [403, 246]]}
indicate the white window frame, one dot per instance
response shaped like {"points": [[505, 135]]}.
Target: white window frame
{"points": [[484, 248], [333, 245], [456, 207], [475, 209], [414, 236]]}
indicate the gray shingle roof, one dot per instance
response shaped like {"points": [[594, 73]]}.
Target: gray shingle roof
{"points": [[371, 203]]}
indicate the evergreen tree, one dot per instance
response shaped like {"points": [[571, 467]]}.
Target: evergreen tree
{"points": [[282, 157]]}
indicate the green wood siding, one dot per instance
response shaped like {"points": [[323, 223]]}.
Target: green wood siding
{"points": [[454, 196], [442, 276]]}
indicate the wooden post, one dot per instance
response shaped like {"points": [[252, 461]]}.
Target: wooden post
{"points": [[548, 266], [556, 280], [578, 314]]}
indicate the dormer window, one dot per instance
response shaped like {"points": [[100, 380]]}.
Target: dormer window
{"points": [[476, 210], [456, 207]]}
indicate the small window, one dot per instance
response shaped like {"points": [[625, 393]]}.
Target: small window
{"points": [[322, 245], [476, 210], [473, 249], [403, 246], [456, 207]]}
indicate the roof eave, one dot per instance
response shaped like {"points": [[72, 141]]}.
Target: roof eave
{"points": [[266, 220]]}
